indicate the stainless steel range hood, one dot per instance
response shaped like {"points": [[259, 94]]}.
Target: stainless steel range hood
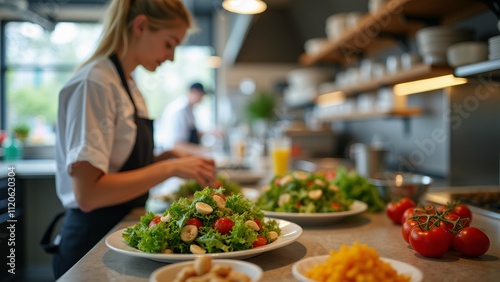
{"points": [[278, 34]]}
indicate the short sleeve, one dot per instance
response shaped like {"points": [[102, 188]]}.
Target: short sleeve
{"points": [[89, 124]]}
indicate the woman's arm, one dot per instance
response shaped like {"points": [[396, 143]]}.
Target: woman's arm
{"points": [[96, 189], [171, 154]]}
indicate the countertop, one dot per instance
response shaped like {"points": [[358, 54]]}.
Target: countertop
{"points": [[30, 168], [375, 230]]}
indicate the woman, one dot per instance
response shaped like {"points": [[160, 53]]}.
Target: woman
{"points": [[105, 141]]}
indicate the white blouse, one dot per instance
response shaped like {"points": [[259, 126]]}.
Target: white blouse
{"points": [[95, 123]]}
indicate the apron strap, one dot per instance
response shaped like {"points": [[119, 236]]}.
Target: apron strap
{"points": [[114, 58], [46, 242]]}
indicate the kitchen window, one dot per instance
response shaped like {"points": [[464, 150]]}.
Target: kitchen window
{"points": [[37, 63]]}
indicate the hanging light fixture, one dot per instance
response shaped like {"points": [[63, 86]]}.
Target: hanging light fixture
{"points": [[244, 6]]}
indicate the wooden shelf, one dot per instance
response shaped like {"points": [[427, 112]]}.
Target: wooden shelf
{"points": [[393, 18], [421, 71], [408, 112]]}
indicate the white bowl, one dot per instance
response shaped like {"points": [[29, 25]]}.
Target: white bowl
{"points": [[442, 31], [466, 53], [308, 77], [299, 268], [168, 273], [315, 45]]}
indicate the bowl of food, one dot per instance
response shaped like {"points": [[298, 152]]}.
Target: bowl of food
{"points": [[395, 185], [204, 268], [354, 261]]}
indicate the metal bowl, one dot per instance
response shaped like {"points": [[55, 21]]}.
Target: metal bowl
{"points": [[395, 185]]}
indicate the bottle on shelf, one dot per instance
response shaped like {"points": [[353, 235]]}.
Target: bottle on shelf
{"points": [[12, 148]]}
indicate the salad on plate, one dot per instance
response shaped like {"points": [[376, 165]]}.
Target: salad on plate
{"points": [[303, 192], [189, 187], [208, 223]]}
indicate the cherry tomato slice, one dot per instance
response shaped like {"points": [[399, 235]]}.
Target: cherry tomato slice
{"points": [[154, 222]]}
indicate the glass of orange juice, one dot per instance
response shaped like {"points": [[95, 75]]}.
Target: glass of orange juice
{"points": [[279, 152]]}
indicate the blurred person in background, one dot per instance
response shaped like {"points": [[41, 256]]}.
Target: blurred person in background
{"points": [[104, 144], [176, 127]]}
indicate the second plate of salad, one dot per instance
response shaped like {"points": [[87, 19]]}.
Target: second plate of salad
{"points": [[357, 207]]}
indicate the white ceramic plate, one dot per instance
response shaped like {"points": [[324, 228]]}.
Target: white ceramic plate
{"points": [[242, 176], [299, 268], [167, 273], [319, 218], [290, 232]]}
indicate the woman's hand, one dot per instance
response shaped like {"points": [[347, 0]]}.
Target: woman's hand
{"points": [[199, 168], [177, 153], [170, 154]]}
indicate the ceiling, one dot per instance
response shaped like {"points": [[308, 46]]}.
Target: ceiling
{"points": [[274, 36]]}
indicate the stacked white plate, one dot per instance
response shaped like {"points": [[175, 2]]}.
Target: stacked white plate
{"points": [[494, 48], [433, 42]]}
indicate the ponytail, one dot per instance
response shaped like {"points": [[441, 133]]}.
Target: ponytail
{"points": [[121, 13]]}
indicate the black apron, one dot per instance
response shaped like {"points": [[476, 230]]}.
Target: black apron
{"points": [[81, 231], [194, 136]]}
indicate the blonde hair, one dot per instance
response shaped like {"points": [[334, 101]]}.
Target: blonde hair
{"points": [[121, 13]]}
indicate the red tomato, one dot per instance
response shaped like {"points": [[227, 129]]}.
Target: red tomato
{"points": [[258, 223], [430, 209], [448, 228], [330, 175], [223, 225], [408, 225], [336, 206], [460, 209], [154, 222], [395, 210], [442, 209], [430, 243], [195, 221], [463, 211], [407, 213], [455, 228], [299, 204], [471, 242], [260, 241]]}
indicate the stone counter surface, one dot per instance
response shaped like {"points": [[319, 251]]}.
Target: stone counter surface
{"points": [[375, 230], [30, 168]]}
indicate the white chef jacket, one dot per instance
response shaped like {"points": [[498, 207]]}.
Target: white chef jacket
{"points": [[95, 123], [175, 124]]}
